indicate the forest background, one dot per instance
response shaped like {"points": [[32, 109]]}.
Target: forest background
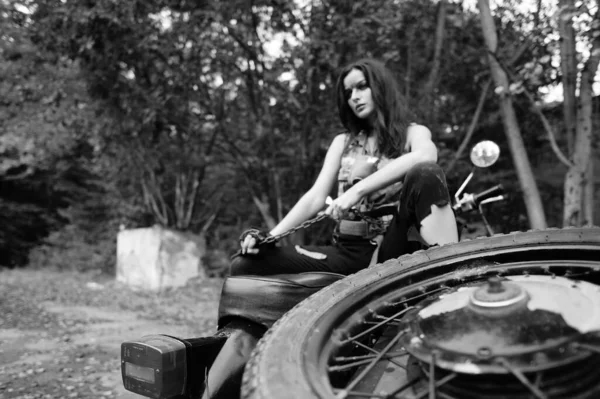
{"points": [[212, 116]]}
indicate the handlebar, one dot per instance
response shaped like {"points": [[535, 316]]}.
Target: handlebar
{"points": [[489, 193], [471, 201]]}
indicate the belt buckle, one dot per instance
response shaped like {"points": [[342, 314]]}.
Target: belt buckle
{"points": [[374, 229]]}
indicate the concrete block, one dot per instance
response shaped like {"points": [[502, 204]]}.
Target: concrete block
{"points": [[156, 258]]}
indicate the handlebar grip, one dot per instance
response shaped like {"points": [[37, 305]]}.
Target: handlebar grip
{"points": [[489, 193]]}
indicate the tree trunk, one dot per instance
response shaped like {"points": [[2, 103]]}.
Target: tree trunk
{"points": [[568, 64], [531, 195], [588, 194], [575, 180], [265, 210], [431, 84]]}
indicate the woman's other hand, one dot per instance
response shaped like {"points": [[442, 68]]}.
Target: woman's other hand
{"points": [[250, 239], [248, 245], [339, 207]]}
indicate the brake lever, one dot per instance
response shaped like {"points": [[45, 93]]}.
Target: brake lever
{"points": [[464, 204], [493, 199]]}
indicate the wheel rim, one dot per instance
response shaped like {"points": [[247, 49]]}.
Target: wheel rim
{"points": [[333, 368]]}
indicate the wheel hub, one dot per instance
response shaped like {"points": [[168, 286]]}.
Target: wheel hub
{"points": [[534, 328], [497, 294], [529, 322]]}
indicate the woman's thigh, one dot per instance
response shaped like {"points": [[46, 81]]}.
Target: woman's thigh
{"points": [[338, 258]]}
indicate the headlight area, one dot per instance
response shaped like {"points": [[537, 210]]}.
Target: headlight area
{"points": [[155, 366], [165, 367]]}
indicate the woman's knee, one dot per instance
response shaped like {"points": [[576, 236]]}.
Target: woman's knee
{"points": [[425, 173], [425, 185]]}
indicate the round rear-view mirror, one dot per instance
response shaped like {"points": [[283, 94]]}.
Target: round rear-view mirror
{"points": [[485, 153]]}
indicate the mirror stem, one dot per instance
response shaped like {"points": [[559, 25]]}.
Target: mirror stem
{"points": [[462, 187]]}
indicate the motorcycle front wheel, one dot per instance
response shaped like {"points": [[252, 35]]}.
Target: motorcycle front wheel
{"points": [[368, 335]]}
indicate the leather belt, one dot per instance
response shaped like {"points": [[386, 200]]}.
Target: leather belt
{"points": [[382, 211], [358, 228], [362, 228]]}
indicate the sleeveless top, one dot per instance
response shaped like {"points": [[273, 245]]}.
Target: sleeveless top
{"points": [[358, 161]]}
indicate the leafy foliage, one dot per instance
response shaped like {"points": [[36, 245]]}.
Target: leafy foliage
{"points": [[47, 145], [211, 116]]}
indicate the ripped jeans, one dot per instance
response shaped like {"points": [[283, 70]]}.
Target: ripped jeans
{"points": [[424, 185]]}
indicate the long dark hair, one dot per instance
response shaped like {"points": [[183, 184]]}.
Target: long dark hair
{"points": [[392, 116]]}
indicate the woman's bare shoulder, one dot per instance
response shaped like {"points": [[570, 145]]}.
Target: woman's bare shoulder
{"points": [[339, 141], [417, 128], [343, 136], [417, 134]]}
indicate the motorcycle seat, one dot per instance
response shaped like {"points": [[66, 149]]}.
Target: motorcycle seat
{"points": [[264, 299]]}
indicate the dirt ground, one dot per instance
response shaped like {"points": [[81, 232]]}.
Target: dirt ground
{"points": [[60, 333]]}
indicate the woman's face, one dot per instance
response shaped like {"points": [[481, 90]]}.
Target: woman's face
{"points": [[358, 94]]}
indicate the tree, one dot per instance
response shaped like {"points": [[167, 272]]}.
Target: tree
{"points": [[535, 209], [209, 125], [151, 68], [577, 109], [46, 144]]}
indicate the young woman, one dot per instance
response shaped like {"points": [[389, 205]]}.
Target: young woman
{"points": [[385, 167], [392, 199]]}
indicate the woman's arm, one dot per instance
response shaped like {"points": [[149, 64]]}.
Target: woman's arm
{"points": [[421, 149], [314, 199]]}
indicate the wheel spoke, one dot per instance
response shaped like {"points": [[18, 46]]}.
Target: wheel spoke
{"points": [[377, 353], [521, 377], [353, 358], [403, 388], [432, 377], [419, 296], [371, 329], [368, 360], [359, 394], [343, 394], [355, 361], [437, 384]]}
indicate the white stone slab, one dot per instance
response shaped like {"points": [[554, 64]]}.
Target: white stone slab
{"points": [[156, 258]]}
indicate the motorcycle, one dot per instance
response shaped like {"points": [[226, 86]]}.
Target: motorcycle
{"points": [[372, 334]]}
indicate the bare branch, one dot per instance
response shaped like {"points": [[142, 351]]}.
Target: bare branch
{"points": [[548, 128], [179, 199], [192, 198], [208, 223], [568, 63], [429, 86], [277, 184], [261, 205], [463, 145], [472, 126], [265, 210], [545, 123], [151, 203], [588, 195]]}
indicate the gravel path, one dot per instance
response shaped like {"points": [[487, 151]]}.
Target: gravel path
{"points": [[60, 333]]}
